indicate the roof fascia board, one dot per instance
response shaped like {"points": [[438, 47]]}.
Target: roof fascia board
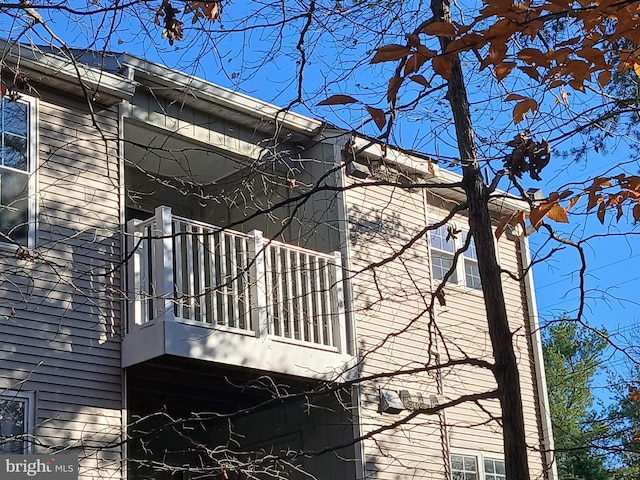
{"points": [[220, 96], [55, 66], [500, 202]]}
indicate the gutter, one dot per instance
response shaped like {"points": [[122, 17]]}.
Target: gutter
{"points": [[500, 202], [54, 67], [541, 379], [223, 97]]}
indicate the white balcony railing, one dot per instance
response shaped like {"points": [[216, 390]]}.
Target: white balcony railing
{"points": [[187, 271]]}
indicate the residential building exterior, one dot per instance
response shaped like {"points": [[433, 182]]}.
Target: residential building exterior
{"points": [[197, 284]]}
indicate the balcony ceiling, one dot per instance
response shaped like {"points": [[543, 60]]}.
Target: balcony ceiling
{"points": [[174, 156]]}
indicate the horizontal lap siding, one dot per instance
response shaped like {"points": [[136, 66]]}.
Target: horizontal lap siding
{"points": [[393, 297], [465, 326], [62, 338], [387, 300]]}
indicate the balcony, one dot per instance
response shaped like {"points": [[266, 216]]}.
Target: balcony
{"points": [[203, 292]]}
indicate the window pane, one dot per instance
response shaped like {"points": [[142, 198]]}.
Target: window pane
{"points": [[456, 463], [463, 468], [14, 152], [12, 426], [14, 116], [488, 466], [472, 274], [470, 464], [471, 251], [14, 206], [438, 239], [14, 127], [440, 264], [494, 469]]}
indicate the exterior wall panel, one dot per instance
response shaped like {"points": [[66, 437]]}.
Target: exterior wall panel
{"points": [[392, 324], [61, 331]]}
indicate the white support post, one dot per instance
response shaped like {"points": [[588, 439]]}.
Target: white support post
{"points": [[258, 284], [136, 313], [162, 240], [338, 317]]}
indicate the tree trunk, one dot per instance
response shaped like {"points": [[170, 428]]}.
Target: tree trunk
{"points": [[506, 369]]}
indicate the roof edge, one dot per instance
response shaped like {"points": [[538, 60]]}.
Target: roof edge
{"points": [[220, 96], [500, 202], [103, 85]]}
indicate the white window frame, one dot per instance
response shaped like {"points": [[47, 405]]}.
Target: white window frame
{"points": [[32, 161], [480, 458], [28, 398], [466, 258]]}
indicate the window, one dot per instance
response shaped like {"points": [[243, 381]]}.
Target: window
{"points": [[464, 468], [444, 242], [15, 168], [15, 422], [467, 467], [494, 469]]}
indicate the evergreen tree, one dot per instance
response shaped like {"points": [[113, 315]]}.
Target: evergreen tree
{"points": [[572, 356]]}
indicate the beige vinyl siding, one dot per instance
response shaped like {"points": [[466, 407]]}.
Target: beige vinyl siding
{"points": [[392, 327], [382, 220], [62, 338]]}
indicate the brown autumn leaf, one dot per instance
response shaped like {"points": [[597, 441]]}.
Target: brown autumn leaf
{"points": [[440, 29], [569, 42], [415, 62], [497, 53], [503, 69], [537, 213], [632, 182], [598, 184], [209, 10], [414, 40], [501, 30], [378, 116], [421, 80], [577, 84], [514, 97], [390, 53], [532, 72], [172, 26], [533, 56], [338, 100], [442, 66], [466, 42], [624, 65], [572, 202], [557, 214], [392, 89], [636, 212], [502, 225], [620, 212], [521, 219], [521, 109], [602, 210], [595, 56], [565, 194]]}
